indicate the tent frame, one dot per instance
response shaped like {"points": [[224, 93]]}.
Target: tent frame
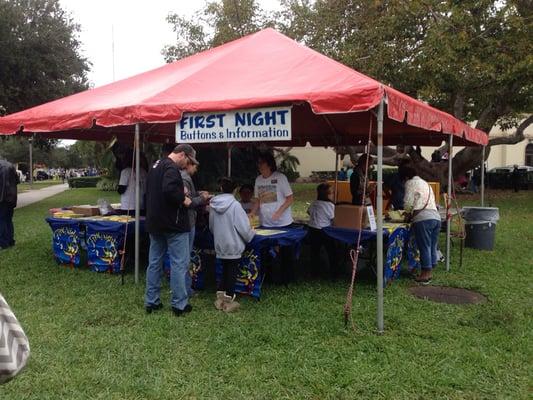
{"points": [[379, 208]]}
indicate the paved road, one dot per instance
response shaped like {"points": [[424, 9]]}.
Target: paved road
{"points": [[33, 196]]}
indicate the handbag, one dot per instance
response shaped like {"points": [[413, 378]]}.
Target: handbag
{"points": [[14, 345]]}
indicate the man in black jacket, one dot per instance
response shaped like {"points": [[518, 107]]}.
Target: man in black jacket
{"points": [[8, 202], [167, 223]]}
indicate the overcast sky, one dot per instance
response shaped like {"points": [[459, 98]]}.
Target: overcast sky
{"points": [[139, 29]]}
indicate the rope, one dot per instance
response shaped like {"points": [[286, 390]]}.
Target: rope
{"points": [[462, 231], [354, 253], [123, 252]]}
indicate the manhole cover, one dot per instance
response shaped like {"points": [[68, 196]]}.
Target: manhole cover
{"points": [[448, 295]]}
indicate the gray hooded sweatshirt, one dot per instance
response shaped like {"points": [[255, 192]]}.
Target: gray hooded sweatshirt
{"points": [[230, 226]]}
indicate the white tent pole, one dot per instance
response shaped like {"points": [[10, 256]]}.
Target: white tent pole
{"points": [[483, 177], [380, 219], [448, 217], [31, 161], [137, 200], [336, 175]]}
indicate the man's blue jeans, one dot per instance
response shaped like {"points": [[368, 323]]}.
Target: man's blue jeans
{"points": [[177, 245], [427, 238], [188, 277]]}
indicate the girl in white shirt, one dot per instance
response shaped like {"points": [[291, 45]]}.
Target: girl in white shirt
{"points": [[322, 212], [274, 198], [126, 186]]}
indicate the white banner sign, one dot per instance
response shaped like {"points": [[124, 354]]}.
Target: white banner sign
{"points": [[371, 218], [252, 125]]}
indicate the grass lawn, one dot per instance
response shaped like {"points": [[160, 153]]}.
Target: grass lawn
{"points": [[91, 339], [23, 187]]}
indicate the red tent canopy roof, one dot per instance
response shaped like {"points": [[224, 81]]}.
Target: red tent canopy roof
{"points": [[331, 102]]}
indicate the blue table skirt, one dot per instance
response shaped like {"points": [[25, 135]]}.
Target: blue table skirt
{"points": [[399, 244], [250, 275], [103, 241], [349, 236]]}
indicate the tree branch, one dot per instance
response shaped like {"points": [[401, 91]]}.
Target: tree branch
{"points": [[516, 137], [459, 106]]}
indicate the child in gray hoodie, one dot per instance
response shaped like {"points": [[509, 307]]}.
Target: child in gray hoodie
{"points": [[231, 230]]}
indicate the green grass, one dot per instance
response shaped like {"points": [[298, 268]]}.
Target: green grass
{"points": [[90, 337], [23, 187]]}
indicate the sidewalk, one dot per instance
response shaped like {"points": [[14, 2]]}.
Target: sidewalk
{"points": [[33, 196]]}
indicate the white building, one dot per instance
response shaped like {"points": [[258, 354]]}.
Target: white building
{"points": [[323, 159]]}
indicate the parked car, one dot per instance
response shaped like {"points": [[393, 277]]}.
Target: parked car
{"points": [[41, 176], [500, 178]]}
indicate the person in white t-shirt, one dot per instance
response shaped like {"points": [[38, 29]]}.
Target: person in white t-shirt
{"points": [[126, 187], [273, 205], [273, 194], [321, 213]]}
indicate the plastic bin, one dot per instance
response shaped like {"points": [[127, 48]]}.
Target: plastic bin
{"points": [[480, 226]]}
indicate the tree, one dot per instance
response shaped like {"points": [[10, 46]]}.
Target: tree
{"points": [[472, 58], [39, 58], [218, 22], [39, 53]]}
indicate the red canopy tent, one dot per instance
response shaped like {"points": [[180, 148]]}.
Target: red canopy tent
{"points": [[331, 104], [265, 68]]}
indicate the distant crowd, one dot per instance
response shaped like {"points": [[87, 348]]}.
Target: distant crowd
{"points": [[43, 174]]}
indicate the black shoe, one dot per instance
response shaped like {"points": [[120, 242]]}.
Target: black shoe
{"points": [[155, 307], [179, 313]]}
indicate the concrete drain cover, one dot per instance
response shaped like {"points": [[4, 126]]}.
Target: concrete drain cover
{"points": [[448, 295]]}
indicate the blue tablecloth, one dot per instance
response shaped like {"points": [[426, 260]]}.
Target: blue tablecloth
{"points": [[250, 275], [103, 240], [349, 236], [397, 240]]}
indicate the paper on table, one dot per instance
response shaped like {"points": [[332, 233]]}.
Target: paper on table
{"points": [[268, 232]]}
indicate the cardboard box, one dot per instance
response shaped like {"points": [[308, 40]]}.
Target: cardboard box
{"points": [[88, 211], [349, 216]]}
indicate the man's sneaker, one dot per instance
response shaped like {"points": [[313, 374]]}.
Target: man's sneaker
{"points": [[153, 307], [219, 302], [177, 312], [230, 304]]}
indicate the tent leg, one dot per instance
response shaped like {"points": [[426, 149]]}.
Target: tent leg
{"points": [[483, 177], [336, 175], [137, 200], [448, 217], [379, 219], [30, 140]]}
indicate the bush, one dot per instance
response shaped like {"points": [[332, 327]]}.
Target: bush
{"points": [[107, 184], [292, 175], [83, 182]]}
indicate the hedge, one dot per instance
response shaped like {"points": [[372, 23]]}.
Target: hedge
{"points": [[107, 184]]}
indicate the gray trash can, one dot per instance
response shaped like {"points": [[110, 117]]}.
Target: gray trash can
{"points": [[480, 226]]}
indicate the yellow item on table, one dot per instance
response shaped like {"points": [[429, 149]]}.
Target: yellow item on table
{"points": [[67, 215], [396, 215], [268, 232], [119, 218]]}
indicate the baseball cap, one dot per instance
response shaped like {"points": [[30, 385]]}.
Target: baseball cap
{"points": [[188, 150]]}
